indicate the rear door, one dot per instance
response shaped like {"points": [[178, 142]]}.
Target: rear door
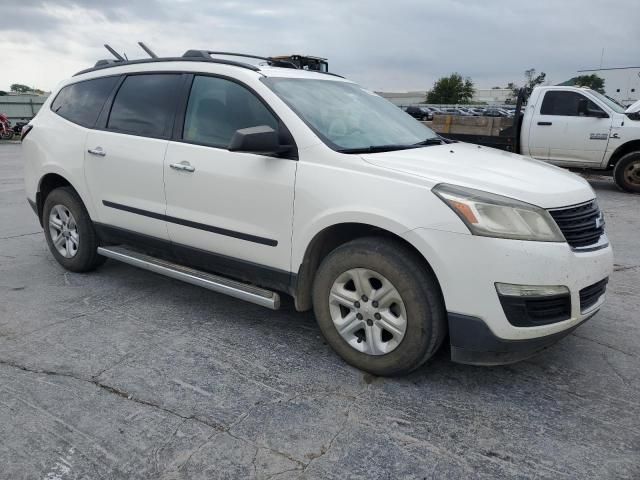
{"points": [[236, 206], [561, 133], [124, 157]]}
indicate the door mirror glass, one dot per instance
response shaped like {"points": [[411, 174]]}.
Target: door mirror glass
{"points": [[262, 140]]}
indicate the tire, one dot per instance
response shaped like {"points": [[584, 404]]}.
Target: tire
{"points": [[626, 173], [82, 255], [419, 311]]}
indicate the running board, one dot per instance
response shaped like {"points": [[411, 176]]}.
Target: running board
{"points": [[249, 293]]}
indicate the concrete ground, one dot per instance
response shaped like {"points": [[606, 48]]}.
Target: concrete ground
{"points": [[123, 374]]}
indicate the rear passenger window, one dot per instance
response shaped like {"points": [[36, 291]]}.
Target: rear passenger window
{"points": [[564, 103], [218, 107], [144, 105], [81, 102]]}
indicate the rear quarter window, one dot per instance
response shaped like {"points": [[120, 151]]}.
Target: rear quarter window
{"points": [[82, 102]]}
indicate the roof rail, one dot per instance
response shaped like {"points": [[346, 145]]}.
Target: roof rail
{"points": [[274, 62], [103, 64]]}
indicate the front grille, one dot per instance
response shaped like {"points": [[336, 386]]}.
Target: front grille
{"points": [[590, 295], [533, 311], [582, 225]]}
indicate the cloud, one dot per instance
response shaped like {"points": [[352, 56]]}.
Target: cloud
{"points": [[401, 45]]}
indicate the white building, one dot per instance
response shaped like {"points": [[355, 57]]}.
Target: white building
{"points": [[493, 96], [404, 99], [489, 96], [622, 84]]}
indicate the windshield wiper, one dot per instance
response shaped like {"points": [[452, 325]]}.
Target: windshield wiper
{"points": [[377, 148], [392, 147], [430, 141]]}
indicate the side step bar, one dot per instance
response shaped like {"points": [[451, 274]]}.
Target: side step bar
{"points": [[249, 293]]}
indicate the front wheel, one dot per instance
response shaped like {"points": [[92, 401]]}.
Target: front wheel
{"points": [[626, 173], [379, 306]]}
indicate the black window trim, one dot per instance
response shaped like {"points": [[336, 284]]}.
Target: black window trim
{"points": [[181, 112], [103, 120], [176, 124], [592, 100], [106, 102]]}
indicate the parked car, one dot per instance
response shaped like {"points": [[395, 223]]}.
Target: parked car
{"points": [[420, 113], [255, 181]]}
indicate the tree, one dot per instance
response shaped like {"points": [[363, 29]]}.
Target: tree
{"points": [[20, 88], [593, 81], [451, 90], [531, 80], [2, 93]]}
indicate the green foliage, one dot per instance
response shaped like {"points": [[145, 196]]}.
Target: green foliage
{"points": [[20, 88], [593, 81], [531, 80], [451, 90]]}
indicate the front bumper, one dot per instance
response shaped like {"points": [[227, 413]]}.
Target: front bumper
{"points": [[473, 343], [467, 268]]}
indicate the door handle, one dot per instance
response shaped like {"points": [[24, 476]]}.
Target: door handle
{"points": [[183, 166], [97, 151], [545, 123]]}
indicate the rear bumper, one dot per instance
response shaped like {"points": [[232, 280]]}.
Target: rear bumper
{"points": [[473, 342]]}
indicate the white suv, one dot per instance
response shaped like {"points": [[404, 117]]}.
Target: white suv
{"points": [[255, 179]]}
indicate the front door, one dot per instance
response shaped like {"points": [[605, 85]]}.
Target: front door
{"points": [[564, 133], [230, 204]]}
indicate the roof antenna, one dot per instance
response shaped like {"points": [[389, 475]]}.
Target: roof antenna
{"points": [[148, 50], [119, 57]]}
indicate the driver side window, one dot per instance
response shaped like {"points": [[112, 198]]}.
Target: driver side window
{"points": [[218, 107], [565, 104]]}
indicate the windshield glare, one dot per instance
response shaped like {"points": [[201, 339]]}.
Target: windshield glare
{"points": [[346, 116]]}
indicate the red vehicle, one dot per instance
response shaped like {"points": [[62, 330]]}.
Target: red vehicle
{"points": [[6, 132]]}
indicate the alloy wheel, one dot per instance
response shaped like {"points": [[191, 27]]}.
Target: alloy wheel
{"points": [[367, 311], [64, 231]]}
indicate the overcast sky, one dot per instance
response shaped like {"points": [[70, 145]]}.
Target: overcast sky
{"points": [[392, 45]]}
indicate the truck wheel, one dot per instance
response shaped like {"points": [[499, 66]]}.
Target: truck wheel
{"points": [[626, 173], [69, 231], [378, 306]]}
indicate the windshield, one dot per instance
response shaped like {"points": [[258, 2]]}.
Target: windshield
{"points": [[349, 118], [609, 102]]}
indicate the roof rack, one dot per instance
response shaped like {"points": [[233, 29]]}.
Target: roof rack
{"points": [[190, 56], [273, 62]]}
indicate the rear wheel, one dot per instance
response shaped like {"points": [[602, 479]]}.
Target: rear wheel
{"points": [[69, 231], [626, 173], [379, 306]]}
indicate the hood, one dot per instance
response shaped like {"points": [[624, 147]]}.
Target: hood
{"points": [[633, 108], [490, 170]]}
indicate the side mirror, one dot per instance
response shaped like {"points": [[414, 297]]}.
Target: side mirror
{"points": [[262, 140]]}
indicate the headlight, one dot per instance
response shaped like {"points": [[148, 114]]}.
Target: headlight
{"points": [[491, 215]]}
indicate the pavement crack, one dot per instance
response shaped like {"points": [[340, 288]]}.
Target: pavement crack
{"points": [[115, 391], [324, 450], [622, 378], [604, 345], [21, 235]]}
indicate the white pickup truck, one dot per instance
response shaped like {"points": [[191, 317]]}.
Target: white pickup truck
{"points": [[571, 127]]}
